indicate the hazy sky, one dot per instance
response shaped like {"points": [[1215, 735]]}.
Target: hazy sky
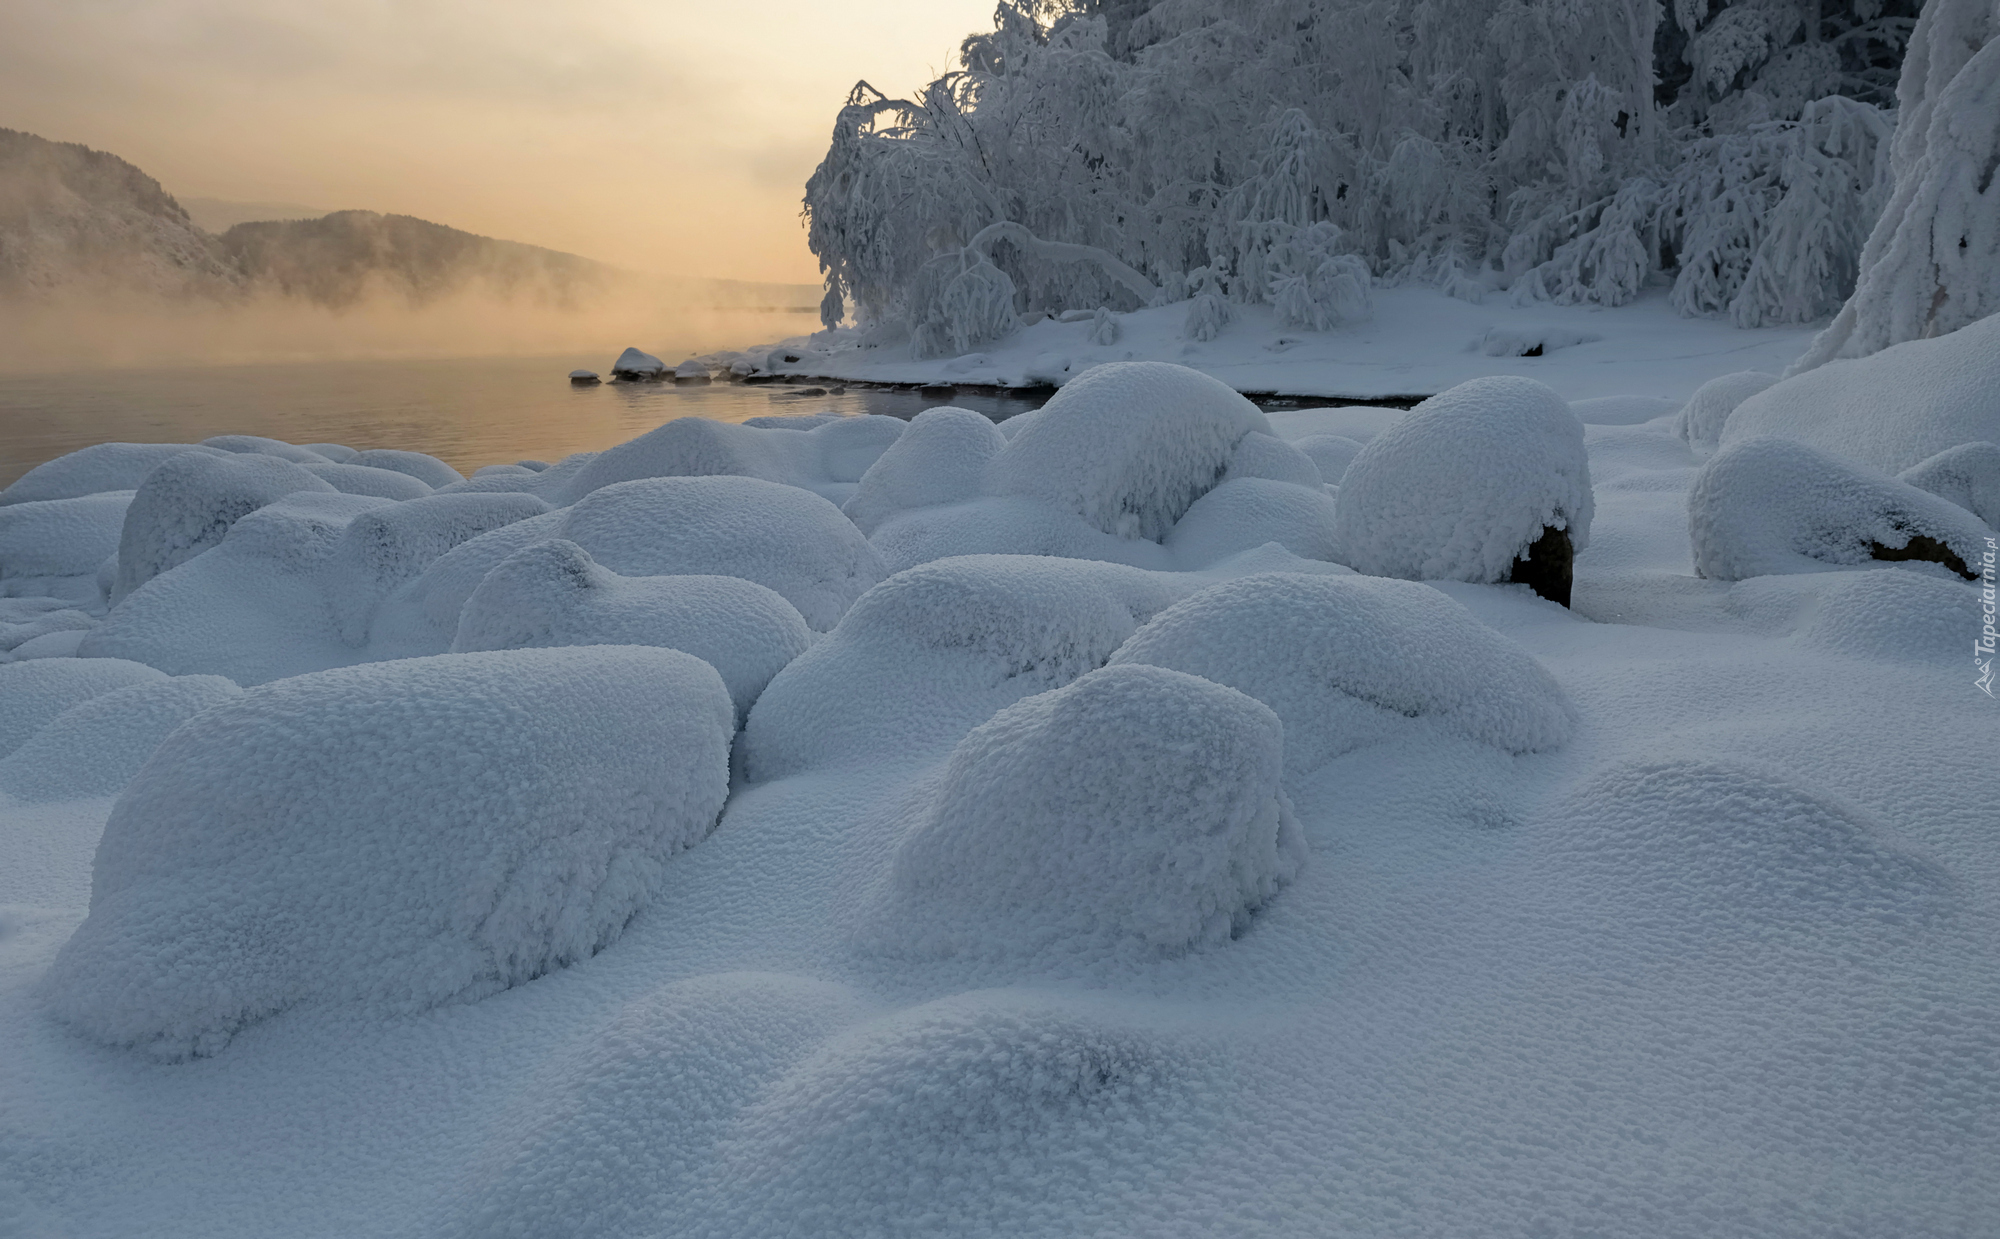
{"points": [[665, 135]]}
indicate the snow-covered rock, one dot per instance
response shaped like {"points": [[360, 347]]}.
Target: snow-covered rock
{"points": [[554, 594], [1250, 511], [381, 549], [1331, 453], [422, 616], [427, 469], [940, 458], [691, 371], [935, 650], [16, 634], [1462, 485], [1261, 455], [187, 504], [828, 459], [262, 446], [1353, 660], [338, 453], [33, 693], [1007, 525], [1707, 411], [94, 470], [404, 835], [1136, 808], [1128, 446], [350, 479], [1891, 409], [61, 537], [1770, 505], [95, 746], [634, 364], [583, 378], [1968, 475]]}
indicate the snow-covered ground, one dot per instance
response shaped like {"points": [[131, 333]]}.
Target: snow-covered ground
{"points": [[1418, 342], [1099, 854]]}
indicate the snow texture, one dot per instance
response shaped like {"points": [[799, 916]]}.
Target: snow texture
{"points": [[94, 470], [941, 458], [1707, 411], [401, 835], [351, 479], [828, 459], [429, 470], [382, 549], [34, 693], [1246, 512], [61, 537], [1347, 661], [1462, 485], [1261, 455], [1011, 525], [1770, 505], [1127, 446], [261, 446], [338, 453], [1331, 453], [187, 503], [1968, 475], [554, 594], [97, 745], [1134, 808]]}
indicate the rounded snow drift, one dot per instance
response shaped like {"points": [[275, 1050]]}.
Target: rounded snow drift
{"points": [[96, 746], [1136, 809], [941, 458], [1250, 511], [34, 692], [1968, 475], [1707, 411], [188, 503], [95, 469], [400, 834]]}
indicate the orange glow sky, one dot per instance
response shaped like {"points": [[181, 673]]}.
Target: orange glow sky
{"points": [[664, 136]]}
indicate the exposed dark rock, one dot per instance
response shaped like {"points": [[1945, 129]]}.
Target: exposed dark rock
{"points": [[1549, 567]]}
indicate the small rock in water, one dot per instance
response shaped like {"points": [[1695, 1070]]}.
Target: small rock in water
{"points": [[633, 364], [802, 393], [691, 371], [583, 378]]}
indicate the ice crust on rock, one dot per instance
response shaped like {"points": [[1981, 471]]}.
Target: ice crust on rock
{"points": [[351, 479], [95, 469], [61, 537], [1249, 511], [940, 458], [1462, 485], [1770, 505], [1134, 809], [788, 539], [1351, 660], [1128, 446], [33, 693], [381, 549], [402, 835], [188, 502], [554, 594], [937, 649], [97, 745], [427, 469], [1968, 475], [1707, 411]]}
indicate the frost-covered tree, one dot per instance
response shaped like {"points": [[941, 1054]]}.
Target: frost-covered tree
{"points": [[1290, 152]]}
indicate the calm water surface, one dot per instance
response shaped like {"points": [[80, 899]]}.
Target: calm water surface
{"points": [[470, 412]]}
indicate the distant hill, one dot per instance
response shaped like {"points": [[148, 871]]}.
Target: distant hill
{"points": [[222, 214], [72, 217]]}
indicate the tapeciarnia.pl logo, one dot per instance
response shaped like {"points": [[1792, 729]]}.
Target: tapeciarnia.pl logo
{"points": [[1982, 649]]}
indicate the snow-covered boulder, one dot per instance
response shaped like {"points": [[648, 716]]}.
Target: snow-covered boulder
{"points": [[14, 632], [940, 458], [1331, 453], [33, 693], [634, 364], [61, 537], [1007, 525], [188, 502], [691, 371], [1889, 410], [383, 548], [421, 617], [1707, 411], [398, 835], [1136, 809], [828, 459], [1770, 505], [1250, 511], [933, 651], [1128, 446], [262, 446], [57, 643], [1968, 475], [584, 378], [1352, 660], [94, 470], [1261, 455], [553, 593], [338, 453], [427, 469], [1462, 486], [788, 539], [382, 483], [96, 746]]}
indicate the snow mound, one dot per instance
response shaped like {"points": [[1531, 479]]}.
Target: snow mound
{"points": [[1462, 485], [429, 470], [553, 594], [188, 503], [1687, 849], [1894, 617], [941, 458], [1889, 410], [338, 453], [788, 539], [403, 834], [1968, 475], [14, 634], [95, 469], [1261, 455], [1331, 453], [933, 651], [33, 693], [828, 459], [1350, 660], [1707, 411], [1128, 446], [382, 549], [1769, 505], [422, 616], [259, 445], [1250, 511], [370, 480], [61, 537], [1012, 525], [614, 1130], [96, 746], [1135, 808], [985, 1113], [54, 643], [634, 364]]}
